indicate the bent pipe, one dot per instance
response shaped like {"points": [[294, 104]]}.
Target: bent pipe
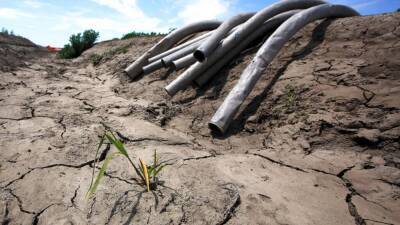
{"points": [[167, 60], [179, 47], [267, 27], [174, 49], [135, 69], [207, 47], [152, 67], [225, 113], [183, 62], [235, 38]]}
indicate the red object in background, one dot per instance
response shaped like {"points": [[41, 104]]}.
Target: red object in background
{"points": [[53, 49]]}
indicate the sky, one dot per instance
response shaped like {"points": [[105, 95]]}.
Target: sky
{"points": [[51, 22]]}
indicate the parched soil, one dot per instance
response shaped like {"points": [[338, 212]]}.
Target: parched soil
{"points": [[317, 141]]}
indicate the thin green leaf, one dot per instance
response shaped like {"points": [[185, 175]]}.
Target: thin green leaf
{"points": [[159, 170], [95, 159], [120, 147], [100, 175], [150, 170], [154, 165]]}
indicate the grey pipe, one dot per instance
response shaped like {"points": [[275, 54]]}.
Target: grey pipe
{"points": [[152, 67], [225, 113], [265, 28], [235, 38], [172, 50], [167, 42], [183, 62], [208, 46], [167, 60]]}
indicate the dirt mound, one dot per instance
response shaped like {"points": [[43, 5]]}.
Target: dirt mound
{"points": [[15, 51], [317, 141]]}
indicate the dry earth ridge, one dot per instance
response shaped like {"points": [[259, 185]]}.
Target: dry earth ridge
{"points": [[317, 142]]}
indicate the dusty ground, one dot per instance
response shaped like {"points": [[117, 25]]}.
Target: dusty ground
{"points": [[317, 142]]}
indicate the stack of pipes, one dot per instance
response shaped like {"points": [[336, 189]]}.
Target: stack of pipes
{"points": [[206, 54]]}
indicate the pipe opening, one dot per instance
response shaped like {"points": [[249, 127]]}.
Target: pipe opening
{"points": [[173, 66], [168, 92], [199, 55], [164, 63], [215, 128]]}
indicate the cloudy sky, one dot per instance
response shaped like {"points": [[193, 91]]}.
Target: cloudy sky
{"points": [[51, 22]]}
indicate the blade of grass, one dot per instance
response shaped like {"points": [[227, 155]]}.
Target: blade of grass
{"points": [[100, 175], [95, 159], [158, 170], [120, 147], [154, 165], [145, 173]]}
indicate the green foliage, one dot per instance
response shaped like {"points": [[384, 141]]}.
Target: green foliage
{"points": [[68, 52], [140, 34], [290, 96], [78, 44], [96, 59], [170, 30], [147, 174], [6, 32]]}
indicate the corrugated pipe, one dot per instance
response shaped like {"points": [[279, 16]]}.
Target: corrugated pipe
{"points": [[183, 62], [263, 30], [174, 49], [225, 113], [135, 69], [208, 46], [235, 38]]}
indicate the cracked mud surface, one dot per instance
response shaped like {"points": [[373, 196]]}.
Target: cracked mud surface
{"points": [[317, 142]]}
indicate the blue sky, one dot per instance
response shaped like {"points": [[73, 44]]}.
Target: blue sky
{"points": [[51, 22]]}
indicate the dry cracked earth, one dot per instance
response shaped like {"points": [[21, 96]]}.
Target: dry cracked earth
{"points": [[317, 142]]}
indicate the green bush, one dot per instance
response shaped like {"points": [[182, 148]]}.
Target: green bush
{"points": [[78, 44], [140, 34], [96, 59], [6, 32]]}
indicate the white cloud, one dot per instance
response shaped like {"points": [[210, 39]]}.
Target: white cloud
{"points": [[34, 4], [203, 10], [134, 17], [9, 13]]}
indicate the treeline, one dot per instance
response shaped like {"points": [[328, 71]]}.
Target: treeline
{"points": [[141, 34], [5, 31]]}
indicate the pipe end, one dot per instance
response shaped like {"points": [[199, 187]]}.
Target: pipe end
{"points": [[215, 128], [199, 55], [173, 67], [169, 91], [131, 74], [164, 63]]}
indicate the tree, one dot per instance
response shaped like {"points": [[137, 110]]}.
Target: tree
{"points": [[78, 43]]}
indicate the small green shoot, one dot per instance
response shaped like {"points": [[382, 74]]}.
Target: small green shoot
{"points": [[147, 174]]}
